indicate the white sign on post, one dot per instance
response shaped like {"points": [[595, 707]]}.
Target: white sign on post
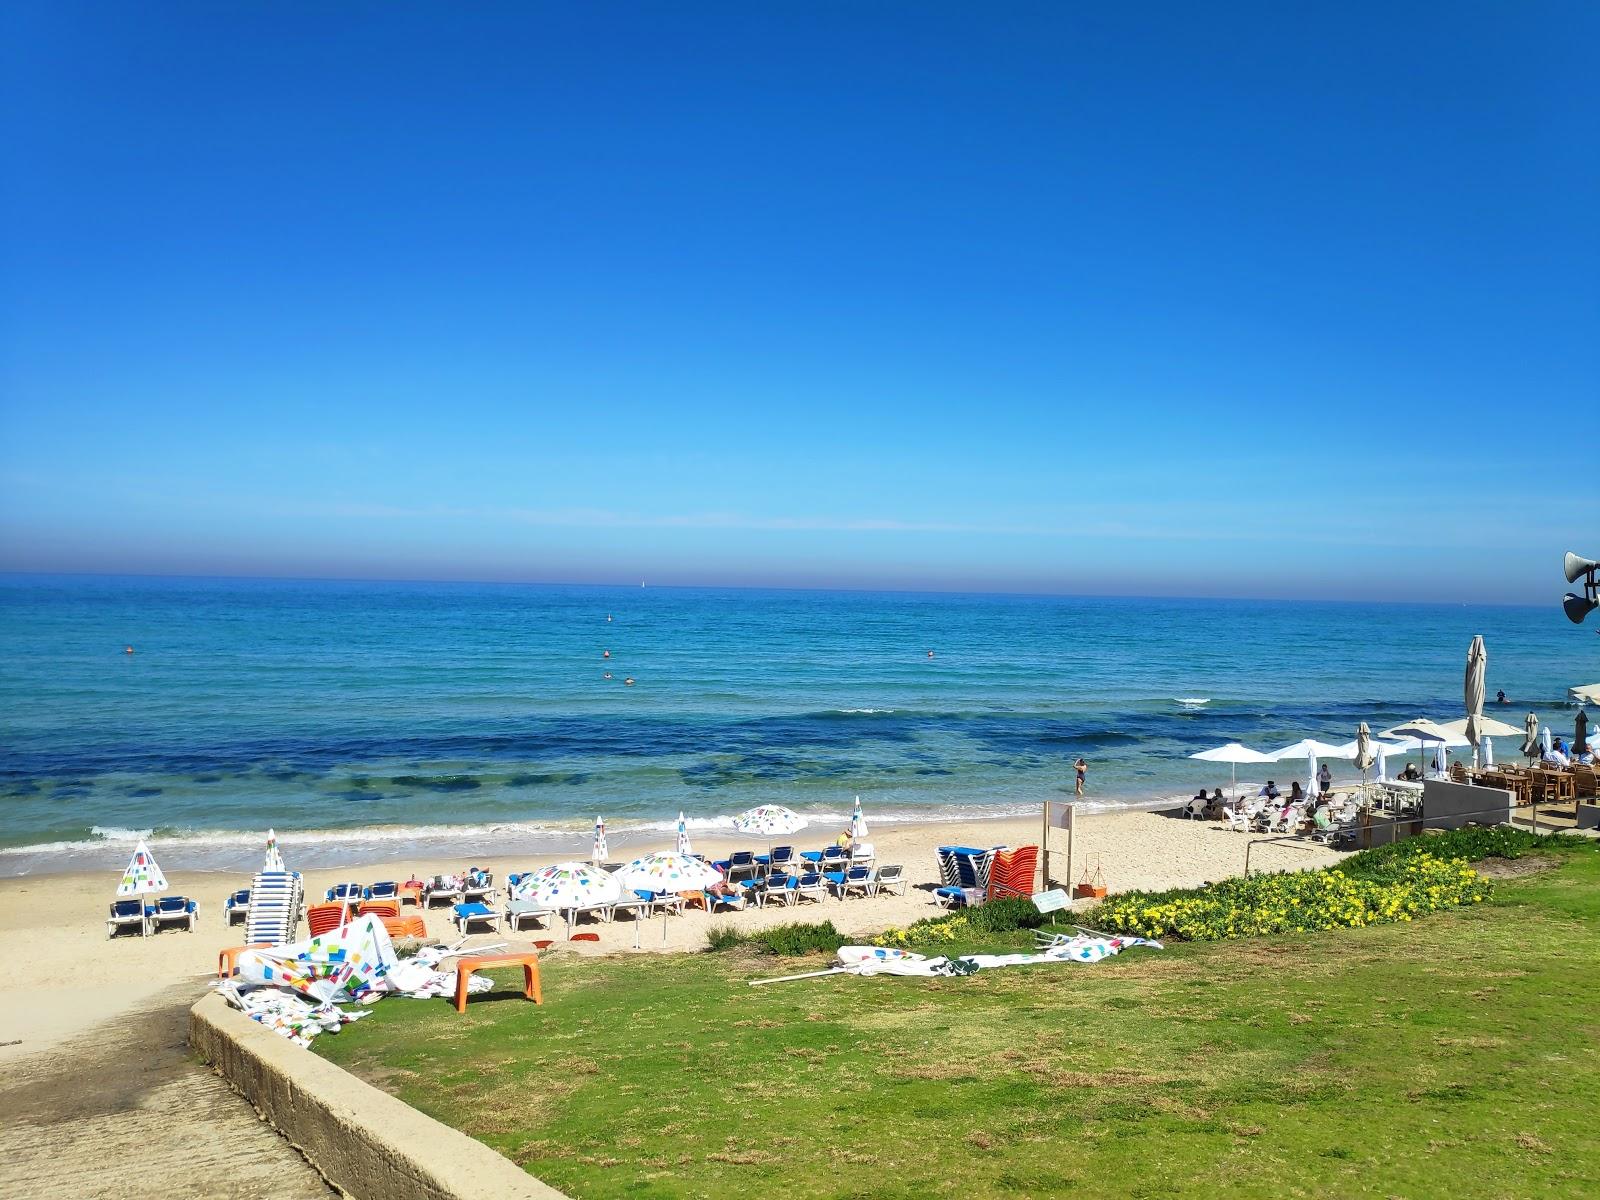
{"points": [[1052, 901]]}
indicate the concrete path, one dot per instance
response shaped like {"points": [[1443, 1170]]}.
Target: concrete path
{"points": [[124, 1110]]}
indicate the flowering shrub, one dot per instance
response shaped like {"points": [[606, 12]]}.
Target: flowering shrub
{"points": [[997, 916], [1294, 902]]}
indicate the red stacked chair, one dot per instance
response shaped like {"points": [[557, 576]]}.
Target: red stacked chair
{"points": [[1013, 871]]}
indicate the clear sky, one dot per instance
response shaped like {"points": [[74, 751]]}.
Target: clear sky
{"points": [[1207, 299]]}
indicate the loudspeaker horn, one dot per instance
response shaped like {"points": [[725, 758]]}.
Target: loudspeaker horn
{"points": [[1577, 567], [1578, 607]]}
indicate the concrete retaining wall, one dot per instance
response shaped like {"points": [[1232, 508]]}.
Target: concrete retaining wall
{"points": [[1447, 805], [365, 1142]]}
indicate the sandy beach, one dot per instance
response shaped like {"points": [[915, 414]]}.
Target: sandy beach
{"points": [[71, 977]]}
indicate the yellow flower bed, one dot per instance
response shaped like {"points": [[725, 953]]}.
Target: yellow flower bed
{"points": [[1293, 902]]}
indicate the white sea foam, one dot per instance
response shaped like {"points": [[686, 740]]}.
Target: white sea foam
{"points": [[1192, 701]]}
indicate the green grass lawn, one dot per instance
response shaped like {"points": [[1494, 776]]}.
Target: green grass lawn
{"points": [[1453, 1056]]}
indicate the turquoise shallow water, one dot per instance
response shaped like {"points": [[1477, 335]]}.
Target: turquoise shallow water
{"points": [[355, 716]]}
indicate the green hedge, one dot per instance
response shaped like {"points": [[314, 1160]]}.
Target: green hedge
{"points": [[1472, 844], [788, 941]]}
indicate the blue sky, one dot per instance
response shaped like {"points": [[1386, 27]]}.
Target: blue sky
{"points": [[1217, 300]]}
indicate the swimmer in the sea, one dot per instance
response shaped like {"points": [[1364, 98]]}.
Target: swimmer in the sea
{"points": [[127, 649], [628, 681], [605, 654], [930, 653], [608, 675]]}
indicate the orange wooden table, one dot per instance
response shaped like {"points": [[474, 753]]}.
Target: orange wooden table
{"points": [[410, 891], [468, 963]]}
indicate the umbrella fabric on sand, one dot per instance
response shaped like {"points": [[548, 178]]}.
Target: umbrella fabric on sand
{"points": [[1472, 694], [1233, 754]]}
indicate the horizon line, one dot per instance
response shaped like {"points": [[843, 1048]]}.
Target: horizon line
{"points": [[892, 591]]}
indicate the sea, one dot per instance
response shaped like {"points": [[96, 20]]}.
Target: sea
{"points": [[369, 721]]}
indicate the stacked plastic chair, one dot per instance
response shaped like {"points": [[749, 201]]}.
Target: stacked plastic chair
{"points": [[274, 908], [960, 869], [1012, 871]]}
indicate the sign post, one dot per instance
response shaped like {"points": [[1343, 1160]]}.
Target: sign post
{"points": [[1056, 816]]}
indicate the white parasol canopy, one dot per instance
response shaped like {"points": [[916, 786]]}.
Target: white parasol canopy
{"points": [[663, 871], [769, 820], [568, 885], [1233, 754]]}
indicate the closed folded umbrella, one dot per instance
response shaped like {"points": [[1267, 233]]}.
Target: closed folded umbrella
{"points": [[858, 823], [1472, 693], [683, 835], [143, 877], [601, 850], [1580, 733], [1530, 742], [274, 859]]}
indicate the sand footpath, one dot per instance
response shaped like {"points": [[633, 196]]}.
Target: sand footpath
{"points": [[65, 976]]}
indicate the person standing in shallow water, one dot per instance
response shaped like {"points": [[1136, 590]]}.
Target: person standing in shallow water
{"points": [[1083, 769]]}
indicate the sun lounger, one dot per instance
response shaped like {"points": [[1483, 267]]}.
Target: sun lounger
{"points": [[862, 854], [127, 914], [780, 860], [857, 879], [468, 915], [741, 864], [834, 858], [957, 897], [274, 908], [236, 907], [479, 888], [811, 886], [775, 889], [737, 899], [441, 888], [175, 910], [889, 877], [386, 890], [348, 893], [521, 912]]}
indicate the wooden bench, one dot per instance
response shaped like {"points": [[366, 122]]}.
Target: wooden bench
{"points": [[468, 963]]}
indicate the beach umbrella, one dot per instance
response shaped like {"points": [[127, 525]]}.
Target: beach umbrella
{"points": [[769, 820], [1233, 754], [663, 871], [1488, 751], [1545, 740], [1530, 742], [600, 849], [274, 859], [567, 887], [1580, 732], [1312, 750], [1383, 762], [142, 877], [1472, 693], [683, 835], [858, 823], [1427, 733]]}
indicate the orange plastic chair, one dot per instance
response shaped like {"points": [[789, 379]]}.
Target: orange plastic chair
{"points": [[379, 908], [324, 918], [405, 927], [227, 960]]}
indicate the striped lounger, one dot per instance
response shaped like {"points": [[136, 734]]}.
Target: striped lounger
{"points": [[274, 908]]}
